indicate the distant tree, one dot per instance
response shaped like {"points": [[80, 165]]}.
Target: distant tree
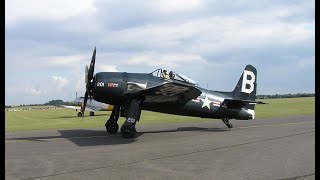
{"points": [[55, 102], [285, 95], [58, 102]]}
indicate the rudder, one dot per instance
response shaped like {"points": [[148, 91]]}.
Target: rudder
{"points": [[246, 87]]}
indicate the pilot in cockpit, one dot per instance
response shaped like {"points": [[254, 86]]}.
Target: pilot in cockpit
{"points": [[165, 74], [171, 75]]}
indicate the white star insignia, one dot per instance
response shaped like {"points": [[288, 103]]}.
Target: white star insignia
{"points": [[206, 102]]}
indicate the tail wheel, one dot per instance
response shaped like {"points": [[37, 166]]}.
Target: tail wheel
{"points": [[91, 113], [79, 114]]}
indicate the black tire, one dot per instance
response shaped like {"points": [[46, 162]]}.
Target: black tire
{"points": [[79, 114], [91, 113], [112, 128], [128, 132]]}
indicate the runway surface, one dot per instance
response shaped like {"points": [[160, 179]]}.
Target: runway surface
{"points": [[279, 148]]}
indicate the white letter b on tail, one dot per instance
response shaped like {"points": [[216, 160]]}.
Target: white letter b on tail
{"points": [[246, 81]]}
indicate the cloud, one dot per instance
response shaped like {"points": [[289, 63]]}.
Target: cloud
{"points": [[19, 10], [66, 61], [48, 43], [59, 82], [171, 60], [306, 62], [33, 91], [106, 68], [176, 5]]}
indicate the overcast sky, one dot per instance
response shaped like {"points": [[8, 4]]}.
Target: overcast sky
{"points": [[48, 43]]}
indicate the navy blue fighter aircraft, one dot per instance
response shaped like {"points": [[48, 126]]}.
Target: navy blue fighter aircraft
{"points": [[170, 93]]}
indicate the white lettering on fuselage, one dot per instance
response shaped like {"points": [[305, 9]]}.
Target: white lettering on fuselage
{"points": [[100, 84]]}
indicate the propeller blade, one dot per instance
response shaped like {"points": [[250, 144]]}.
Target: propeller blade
{"points": [[91, 68], [83, 107], [86, 75], [88, 78]]}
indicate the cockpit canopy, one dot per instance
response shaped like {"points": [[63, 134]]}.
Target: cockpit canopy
{"points": [[164, 74]]}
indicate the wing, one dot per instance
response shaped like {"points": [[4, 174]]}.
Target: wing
{"points": [[70, 107], [169, 92], [233, 103], [79, 108]]}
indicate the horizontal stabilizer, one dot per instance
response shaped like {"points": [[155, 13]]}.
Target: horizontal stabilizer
{"points": [[234, 104]]}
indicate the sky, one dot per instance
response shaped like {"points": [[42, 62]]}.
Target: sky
{"points": [[49, 43]]}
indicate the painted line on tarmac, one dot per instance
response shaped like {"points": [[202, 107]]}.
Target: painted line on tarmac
{"points": [[62, 138]]}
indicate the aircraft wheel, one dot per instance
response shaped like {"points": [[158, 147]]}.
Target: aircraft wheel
{"points": [[112, 128], [91, 113], [230, 126], [79, 114], [128, 132]]}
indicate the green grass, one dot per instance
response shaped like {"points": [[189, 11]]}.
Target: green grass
{"points": [[67, 118], [285, 107]]}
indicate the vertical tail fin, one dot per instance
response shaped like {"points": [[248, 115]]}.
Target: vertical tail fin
{"points": [[246, 88]]}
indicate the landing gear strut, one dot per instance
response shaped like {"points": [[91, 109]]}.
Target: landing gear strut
{"points": [[128, 129], [112, 123], [226, 121]]}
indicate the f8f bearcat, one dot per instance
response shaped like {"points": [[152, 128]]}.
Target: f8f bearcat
{"points": [[170, 93]]}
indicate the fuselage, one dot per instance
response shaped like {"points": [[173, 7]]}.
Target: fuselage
{"points": [[115, 87]]}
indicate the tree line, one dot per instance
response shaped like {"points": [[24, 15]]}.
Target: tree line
{"points": [[285, 96], [52, 102], [61, 102]]}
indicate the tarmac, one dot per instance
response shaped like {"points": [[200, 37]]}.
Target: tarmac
{"points": [[274, 148]]}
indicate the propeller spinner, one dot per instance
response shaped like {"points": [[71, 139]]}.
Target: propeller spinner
{"points": [[88, 79]]}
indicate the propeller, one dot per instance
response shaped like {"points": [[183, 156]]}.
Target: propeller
{"points": [[88, 79]]}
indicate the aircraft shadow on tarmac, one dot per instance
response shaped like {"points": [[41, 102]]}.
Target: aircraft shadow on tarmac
{"points": [[99, 137], [85, 137], [187, 129]]}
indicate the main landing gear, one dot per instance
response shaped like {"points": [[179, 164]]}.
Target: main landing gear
{"points": [[112, 123], [128, 129], [226, 121]]}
